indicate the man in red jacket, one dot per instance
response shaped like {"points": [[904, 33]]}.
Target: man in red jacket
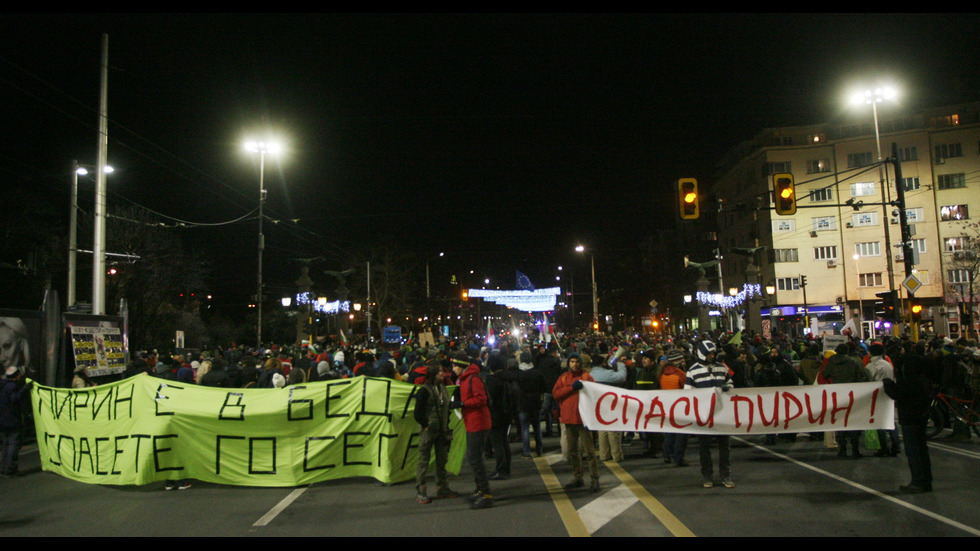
{"points": [[566, 394], [472, 399]]}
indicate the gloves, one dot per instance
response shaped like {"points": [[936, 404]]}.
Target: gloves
{"points": [[577, 385]]}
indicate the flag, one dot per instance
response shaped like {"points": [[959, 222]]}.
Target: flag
{"points": [[343, 338], [850, 329], [523, 282], [490, 338], [736, 339]]}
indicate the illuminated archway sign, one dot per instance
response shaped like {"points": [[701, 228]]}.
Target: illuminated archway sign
{"points": [[539, 300], [723, 301], [323, 307]]}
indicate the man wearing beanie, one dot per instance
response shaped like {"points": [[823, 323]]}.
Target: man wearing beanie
{"points": [[471, 397], [566, 394]]}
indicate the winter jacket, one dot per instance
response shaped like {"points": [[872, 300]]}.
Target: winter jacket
{"points": [[473, 395], [672, 378], [567, 397]]}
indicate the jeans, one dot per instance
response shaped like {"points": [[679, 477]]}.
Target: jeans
{"points": [[917, 451], [889, 441], [501, 449], [11, 451], [674, 446], [475, 442], [530, 421], [724, 455], [547, 409]]}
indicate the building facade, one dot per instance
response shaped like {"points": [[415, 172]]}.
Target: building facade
{"points": [[844, 240]]}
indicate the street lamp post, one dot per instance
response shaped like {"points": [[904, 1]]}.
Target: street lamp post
{"points": [[428, 291], [98, 234], [595, 294], [874, 97], [261, 148], [77, 170], [857, 271]]}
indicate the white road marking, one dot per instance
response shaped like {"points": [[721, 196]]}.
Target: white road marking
{"points": [[896, 501], [280, 507]]}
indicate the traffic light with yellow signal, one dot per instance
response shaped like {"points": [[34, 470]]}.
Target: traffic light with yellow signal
{"points": [[687, 194], [916, 313], [784, 194]]}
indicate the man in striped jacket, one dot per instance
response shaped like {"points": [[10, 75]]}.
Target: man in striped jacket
{"points": [[706, 372]]}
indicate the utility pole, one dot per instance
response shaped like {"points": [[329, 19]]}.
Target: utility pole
{"points": [[907, 251]]}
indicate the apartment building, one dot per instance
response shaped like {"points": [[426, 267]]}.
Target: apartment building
{"points": [[842, 238]]}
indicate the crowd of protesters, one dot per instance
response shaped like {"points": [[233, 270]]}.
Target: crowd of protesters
{"points": [[520, 390]]}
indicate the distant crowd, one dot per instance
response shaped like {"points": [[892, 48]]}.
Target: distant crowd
{"points": [[529, 389]]}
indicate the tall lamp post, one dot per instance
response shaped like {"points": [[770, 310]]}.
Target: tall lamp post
{"points": [[261, 148], [99, 212], [77, 170], [874, 97], [595, 295], [857, 271]]}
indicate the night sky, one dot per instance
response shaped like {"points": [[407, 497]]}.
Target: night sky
{"points": [[503, 140]]}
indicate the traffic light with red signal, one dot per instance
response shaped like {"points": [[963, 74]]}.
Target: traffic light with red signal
{"points": [[784, 194], [687, 195]]}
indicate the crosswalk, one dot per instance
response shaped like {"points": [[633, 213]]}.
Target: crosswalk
{"points": [[607, 505]]}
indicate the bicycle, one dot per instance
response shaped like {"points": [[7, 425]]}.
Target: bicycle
{"points": [[945, 408]]}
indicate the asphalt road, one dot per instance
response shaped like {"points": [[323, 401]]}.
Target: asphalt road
{"points": [[783, 490]]}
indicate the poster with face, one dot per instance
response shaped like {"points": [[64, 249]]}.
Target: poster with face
{"points": [[98, 346], [20, 341]]}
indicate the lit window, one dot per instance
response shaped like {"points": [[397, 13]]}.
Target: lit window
{"points": [[954, 212]]}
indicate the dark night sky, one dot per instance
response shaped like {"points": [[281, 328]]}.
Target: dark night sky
{"points": [[504, 139]]}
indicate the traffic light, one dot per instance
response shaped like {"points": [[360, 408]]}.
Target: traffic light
{"points": [[916, 313], [687, 194], [466, 295], [784, 194], [885, 307], [802, 281]]}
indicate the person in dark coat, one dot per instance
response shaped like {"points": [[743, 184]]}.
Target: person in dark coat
{"points": [[549, 365], [912, 392], [531, 383], [14, 397], [503, 400], [843, 368]]}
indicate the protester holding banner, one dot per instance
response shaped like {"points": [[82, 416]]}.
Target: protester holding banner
{"points": [[843, 368], [612, 372], [81, 378], [673, 378], [565, 393], [708, 373], [432, 415], [879, 368]]}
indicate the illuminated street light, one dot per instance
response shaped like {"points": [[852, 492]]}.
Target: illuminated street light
{"points": [[595, 294], [77, 170], [874, 97], [261, 148]]}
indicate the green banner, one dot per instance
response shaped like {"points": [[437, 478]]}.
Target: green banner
{"points": [[144, 429]]}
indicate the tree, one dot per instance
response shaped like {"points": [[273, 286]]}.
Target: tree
{"points": [[963, 271], [32, 249], [392, 269], [163, 284]]}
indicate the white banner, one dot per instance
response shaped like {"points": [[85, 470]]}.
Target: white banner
{"points": [[820, 408]]}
